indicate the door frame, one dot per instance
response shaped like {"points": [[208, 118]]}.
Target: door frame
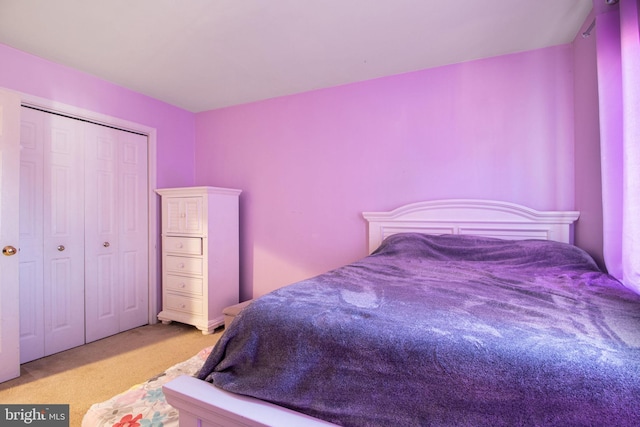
{"points": [[9, 234], [152, 200]]}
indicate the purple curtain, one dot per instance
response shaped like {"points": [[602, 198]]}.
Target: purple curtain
{"points": [[618, 56]]}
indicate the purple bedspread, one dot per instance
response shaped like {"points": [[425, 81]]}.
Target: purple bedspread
{"points": [[444, 330]]}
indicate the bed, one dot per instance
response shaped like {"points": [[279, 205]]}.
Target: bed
{"points": [[466, 312]]}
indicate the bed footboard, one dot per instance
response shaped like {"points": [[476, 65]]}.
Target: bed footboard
{"points": [[200, 404]]}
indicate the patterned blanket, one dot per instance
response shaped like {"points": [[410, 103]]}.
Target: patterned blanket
{"points": [[144, 404]]}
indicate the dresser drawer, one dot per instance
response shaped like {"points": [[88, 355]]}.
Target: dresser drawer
{"points": [[192, 285], [182, 303], [183, 245], [185, 265]]}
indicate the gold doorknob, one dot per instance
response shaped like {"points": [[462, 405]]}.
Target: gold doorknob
{"points": [[9, 250]]}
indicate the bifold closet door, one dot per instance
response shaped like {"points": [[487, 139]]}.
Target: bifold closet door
{"points": [[51, 234], [116, 223], [83, 233]]}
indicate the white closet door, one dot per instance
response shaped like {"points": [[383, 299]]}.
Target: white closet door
{"points": [[134, 231], [116, 232], [9, 195], [102, 243], [63, 233], [31, 236], [51, 235]]}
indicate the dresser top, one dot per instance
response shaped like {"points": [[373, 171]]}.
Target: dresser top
{"points": [[196, 191]]}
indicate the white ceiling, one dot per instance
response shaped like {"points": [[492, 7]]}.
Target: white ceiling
{"points": [[206, 54]]}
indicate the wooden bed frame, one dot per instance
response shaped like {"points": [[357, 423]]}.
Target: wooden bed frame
{"points": [[201, 404]]}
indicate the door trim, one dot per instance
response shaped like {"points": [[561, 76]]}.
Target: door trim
{"points": [[9, 234], [152, 202]]}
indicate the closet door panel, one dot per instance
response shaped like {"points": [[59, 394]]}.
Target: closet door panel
{"points": [[31, 228], [116, 232], [31, 312], [63, 234], [106, 309], [131, 292], [101, 220], [62, 312], [104, 245], [133, 231]]}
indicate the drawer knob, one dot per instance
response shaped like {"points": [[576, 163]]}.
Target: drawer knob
{"points": [[183, 306], [181, 265], [183, 285], [179, 245]]}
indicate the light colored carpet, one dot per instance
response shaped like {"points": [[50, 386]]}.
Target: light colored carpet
{"points": [[99, 370]]}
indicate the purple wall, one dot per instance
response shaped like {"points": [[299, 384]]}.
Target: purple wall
{"points": [[309, 164], [175, 127]]}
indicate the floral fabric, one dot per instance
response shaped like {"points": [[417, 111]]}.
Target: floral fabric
{"points": [[143, 405]]}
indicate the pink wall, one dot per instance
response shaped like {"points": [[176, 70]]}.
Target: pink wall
{"points": [[309, 164], [29, 74], [588, 233]]}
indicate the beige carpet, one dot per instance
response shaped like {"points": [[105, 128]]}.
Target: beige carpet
{"points": [[97, 371]]}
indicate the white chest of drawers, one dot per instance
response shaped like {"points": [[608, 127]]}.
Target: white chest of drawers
{"points": [[200, 255]]}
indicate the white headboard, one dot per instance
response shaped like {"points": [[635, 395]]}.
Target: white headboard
{"points": [[487, 218]]}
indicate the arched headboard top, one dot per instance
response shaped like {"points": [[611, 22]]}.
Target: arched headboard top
{"points": [[489, 218]]}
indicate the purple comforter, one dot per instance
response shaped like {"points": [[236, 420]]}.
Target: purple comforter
{"points": [[444, 330]]}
